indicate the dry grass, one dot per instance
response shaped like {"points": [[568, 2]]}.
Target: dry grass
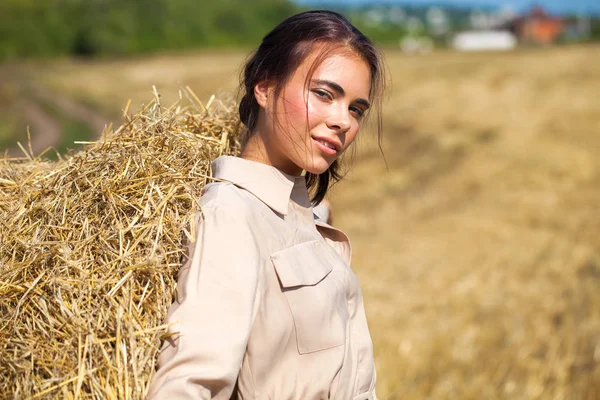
{"points": [[478, 249], [90, 247]]}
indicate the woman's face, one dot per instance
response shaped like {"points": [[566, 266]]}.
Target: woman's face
{"points": [[313, 122]]}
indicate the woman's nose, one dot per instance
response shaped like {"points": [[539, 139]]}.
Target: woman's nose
{"points": [[339, 119]]}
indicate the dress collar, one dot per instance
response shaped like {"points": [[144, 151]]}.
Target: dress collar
{"points": [[267, 183]]}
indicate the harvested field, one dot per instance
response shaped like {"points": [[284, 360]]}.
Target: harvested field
{"points": [[478, 247]]}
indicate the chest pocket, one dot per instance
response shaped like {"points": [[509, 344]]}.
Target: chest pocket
{"points": [[315, 292]]}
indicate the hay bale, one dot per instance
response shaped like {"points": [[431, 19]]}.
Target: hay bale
{"points": [[90, 247]]}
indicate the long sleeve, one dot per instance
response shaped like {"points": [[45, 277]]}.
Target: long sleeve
{"points": [[213, 313]]}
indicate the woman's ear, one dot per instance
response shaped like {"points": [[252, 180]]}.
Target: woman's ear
{"points": [[262, 90]]}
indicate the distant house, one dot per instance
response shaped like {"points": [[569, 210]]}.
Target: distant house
{"points": [[537, 27], [484, 41]]}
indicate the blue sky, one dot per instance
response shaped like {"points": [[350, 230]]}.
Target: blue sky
{"points": [[554, 6]]}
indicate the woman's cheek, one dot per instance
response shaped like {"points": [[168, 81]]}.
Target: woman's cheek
{"points": [[311, 108], [316, 113], [352, 137]]}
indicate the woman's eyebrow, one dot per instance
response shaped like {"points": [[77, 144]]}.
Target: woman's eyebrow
{"points": [[340, 90], [363, 102], [334, 86]]}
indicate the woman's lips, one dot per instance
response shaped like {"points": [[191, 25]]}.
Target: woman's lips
{"points": [[325, 146]]}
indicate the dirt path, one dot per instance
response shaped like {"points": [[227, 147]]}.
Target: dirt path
{"points": [[45, 129], [71, 109]]}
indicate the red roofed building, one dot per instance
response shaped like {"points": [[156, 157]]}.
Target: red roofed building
{"points": [[538, 27]]}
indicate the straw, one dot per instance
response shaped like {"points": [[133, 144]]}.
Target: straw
{"points": [[90, 247]]}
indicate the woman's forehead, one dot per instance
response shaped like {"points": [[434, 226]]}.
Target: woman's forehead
{"points": [[342, 65], [327, 53]]}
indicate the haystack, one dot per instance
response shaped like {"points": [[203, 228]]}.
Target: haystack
{"points": [[90, 247]]}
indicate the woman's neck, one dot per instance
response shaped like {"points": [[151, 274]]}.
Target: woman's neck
{"points": [[257, 150]]}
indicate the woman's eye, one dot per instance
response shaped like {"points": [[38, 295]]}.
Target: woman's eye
{"points": [[359, 112], [322, 94]]}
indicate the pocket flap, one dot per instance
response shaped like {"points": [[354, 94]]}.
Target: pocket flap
{"points": [[304, 264]]}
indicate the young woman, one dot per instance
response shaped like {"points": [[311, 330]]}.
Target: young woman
{"points": [[267, 306]]}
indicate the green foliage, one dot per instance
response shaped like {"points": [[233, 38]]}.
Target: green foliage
{"points": [[31, 28], [595, 29]]}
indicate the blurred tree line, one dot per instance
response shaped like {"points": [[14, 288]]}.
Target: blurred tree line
{"points": [[34, 28]]}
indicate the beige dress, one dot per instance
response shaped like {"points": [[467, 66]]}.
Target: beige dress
{"points": [[267, 307]]}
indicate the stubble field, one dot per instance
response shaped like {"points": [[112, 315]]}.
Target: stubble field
{"points": [[477, 246]]}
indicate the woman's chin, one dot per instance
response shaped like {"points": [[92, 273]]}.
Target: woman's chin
{"points": [[318, 167]]}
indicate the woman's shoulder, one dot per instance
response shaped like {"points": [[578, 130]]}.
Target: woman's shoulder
{"points": [[226, 209], [227, 197]]}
